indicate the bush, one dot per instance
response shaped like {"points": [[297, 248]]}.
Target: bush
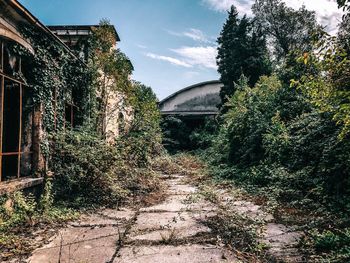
{"points": [[87, 171], [83, 167], [333, 245]]}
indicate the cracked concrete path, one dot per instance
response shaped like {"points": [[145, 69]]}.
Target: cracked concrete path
{"points": [[281, 240], [94, 238], [169, 232]]}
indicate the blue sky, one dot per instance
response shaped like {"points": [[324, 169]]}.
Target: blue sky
{"points": [[171, 43]]}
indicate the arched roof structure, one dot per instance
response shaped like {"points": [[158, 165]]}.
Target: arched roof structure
{"points": [[199, 99]]}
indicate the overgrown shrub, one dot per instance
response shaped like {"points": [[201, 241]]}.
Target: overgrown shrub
{"points": [[182, 134], [88, 171], [175, 134], [83, 168], [333, 245], [144, 139], [270, 144], [275, 144], [21, 213]]}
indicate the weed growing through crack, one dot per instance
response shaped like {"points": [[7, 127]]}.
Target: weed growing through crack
{"points": [[192, 198], [169, 237], [239, 233]]}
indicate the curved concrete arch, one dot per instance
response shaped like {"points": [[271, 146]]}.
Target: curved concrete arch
{"points": [[198, 99]]}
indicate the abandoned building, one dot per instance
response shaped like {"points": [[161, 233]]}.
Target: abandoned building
{"points": [[29, 106], [187, 110], [196, 101]]}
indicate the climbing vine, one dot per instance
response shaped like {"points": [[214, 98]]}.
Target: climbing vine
{"points": [[53, 74]]}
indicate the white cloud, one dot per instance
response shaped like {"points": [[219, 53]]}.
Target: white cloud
{"points": [[196, 35], [141, 46], [327, 11], [243, 6], [190, 57], [172, 60], [193, 33], [200, 56]]}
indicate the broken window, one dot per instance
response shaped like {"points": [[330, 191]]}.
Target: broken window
{"points": [[16, 119]]}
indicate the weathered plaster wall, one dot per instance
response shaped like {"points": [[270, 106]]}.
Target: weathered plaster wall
{"points": [[118, 117]]}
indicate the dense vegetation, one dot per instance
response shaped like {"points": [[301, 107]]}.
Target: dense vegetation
{"points": [[285, 136]]}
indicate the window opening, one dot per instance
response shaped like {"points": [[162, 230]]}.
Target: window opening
{"points": [[16, 118]]}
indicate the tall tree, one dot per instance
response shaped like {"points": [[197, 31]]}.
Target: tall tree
{"points": [[345, 4], [242, 51], [344, 34], [287, 29]]}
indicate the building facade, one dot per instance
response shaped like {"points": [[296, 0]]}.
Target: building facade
{"points": [[38, 94]]}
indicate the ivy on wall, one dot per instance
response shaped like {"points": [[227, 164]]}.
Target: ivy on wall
{"points": [[53, 74]]}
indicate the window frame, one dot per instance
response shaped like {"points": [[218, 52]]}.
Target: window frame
{"points": [[5, 77]]}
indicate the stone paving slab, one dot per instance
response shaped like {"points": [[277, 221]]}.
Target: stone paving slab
{"points": [[79, 245], [165, 220], [178, 221], [122, 213], [181, 189], [174, 254], [278, 233], [96, 220], [282, 241], [105, 217], [180, 203], [188, 229], [174, 203]]}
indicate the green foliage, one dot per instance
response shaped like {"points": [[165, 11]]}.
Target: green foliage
{"points": [[251, 112], [24, 210], [17, 210], [272, 136], [286, 28], [46, 199], [242, 50], [19, 214], [86, 169], [276, 145], [344, 4], [201, 137], [53, 72], [143, 140], [186, 134], [175, 134], [237, 231], [344, 34], [329, 90], [334, 244]]}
